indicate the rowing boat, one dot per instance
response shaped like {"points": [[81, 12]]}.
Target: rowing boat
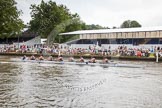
{"points": [[110, 64]]}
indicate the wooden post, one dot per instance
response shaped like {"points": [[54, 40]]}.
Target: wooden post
{"points": [[157, 57]]}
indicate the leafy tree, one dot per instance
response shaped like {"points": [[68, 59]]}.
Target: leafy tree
{"points": [[130, 24], [126, 24], [76, 24], [10, 23], [135, 24], [48, 19], [114, 27], [94, 27]]}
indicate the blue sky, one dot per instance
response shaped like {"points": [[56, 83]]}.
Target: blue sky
{"points": [[107, 13]]}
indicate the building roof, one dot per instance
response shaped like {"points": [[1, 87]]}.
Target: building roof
{"points": [[102, 31], [28, 33]]}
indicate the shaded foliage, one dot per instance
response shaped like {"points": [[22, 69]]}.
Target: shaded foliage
{"points": [[10, 23], [49, 19], [130, 24], [94, 27]]}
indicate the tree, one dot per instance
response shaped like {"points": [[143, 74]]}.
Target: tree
{"points": [[114, 27], [10, 23], [48, 19], [94, 27], [130, 24], [135, 24]]}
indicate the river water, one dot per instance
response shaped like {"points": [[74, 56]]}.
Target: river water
{"points": [[34, 85]]}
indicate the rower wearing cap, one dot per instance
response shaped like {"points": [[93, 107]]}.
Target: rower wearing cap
{"points": [[81, 59]]}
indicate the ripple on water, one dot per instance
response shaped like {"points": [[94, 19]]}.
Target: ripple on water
{"points": [[32, 85]]}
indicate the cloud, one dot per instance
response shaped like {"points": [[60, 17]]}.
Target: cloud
{"points": [[107, 12]]}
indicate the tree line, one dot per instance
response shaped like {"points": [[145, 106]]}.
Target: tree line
{"points": [[48, 20]]}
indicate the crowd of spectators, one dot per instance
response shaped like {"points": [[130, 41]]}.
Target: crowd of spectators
{"points": [[92, 50]]}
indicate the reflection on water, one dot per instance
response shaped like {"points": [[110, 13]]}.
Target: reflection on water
{"points": [[33, 85]]}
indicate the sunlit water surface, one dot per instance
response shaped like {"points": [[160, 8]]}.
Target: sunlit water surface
{"points": [[34, 85]]}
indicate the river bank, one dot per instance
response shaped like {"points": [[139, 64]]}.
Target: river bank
{"points": [[152, 58]]}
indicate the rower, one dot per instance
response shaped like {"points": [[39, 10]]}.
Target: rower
{"points": [[32, 57], [105, 60], [93, 60], [71, 59], [41, 57], [60, 58], [81, 59], [50, 58], [24, 57]]}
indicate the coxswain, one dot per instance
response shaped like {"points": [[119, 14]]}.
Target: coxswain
{"points": [[93, 60], [105, 60], [50, 58], [24, 57], [81, 59], [71, 59], [41, 57], [32, 57]]}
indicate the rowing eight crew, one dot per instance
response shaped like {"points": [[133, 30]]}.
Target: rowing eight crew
{"points": [[93, 60], [60, 58], [50, 58]]}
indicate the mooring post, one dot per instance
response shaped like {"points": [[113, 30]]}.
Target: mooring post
{"points": [[157, 57]]}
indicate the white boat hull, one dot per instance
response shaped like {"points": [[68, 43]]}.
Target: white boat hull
{"points": [[81, 63]]}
